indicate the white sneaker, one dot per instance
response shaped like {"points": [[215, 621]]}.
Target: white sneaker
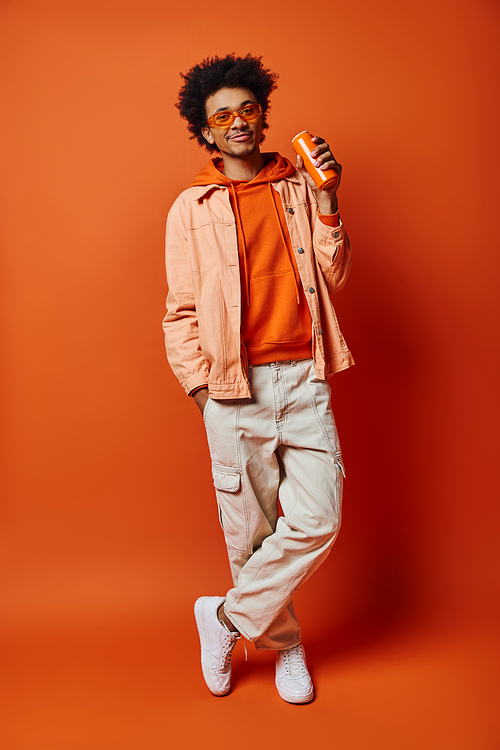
{"points": [[217, 643], [293, 680]]}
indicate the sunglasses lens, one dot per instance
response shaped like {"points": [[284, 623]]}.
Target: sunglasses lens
{"points": [[250, 112], [223, 118]]}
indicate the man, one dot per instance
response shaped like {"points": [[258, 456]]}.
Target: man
{"points": [[253, 252]]}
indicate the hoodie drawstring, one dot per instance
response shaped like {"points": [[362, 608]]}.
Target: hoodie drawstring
{"points": [[286, 244], [241, 234]]}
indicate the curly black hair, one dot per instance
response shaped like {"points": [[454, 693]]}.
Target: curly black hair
{"points": [[215, 73]]}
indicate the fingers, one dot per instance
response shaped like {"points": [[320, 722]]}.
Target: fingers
{"points": [[324, 159], [321, 146]]}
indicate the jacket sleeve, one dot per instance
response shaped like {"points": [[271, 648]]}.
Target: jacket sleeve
{"points": [[180, 324], [332, 250]]}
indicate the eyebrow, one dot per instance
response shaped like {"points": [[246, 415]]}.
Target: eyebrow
{"points": [[223, 109]]}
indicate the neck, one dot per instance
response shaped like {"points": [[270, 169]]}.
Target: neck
{"points": [[242, 168]]}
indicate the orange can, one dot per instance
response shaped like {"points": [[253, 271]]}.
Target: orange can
{"points": [[303, 144]]}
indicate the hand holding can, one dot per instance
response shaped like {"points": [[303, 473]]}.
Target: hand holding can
{"points": [[303, 144]]}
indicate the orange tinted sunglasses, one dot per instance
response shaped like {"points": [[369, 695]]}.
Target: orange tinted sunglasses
{"points": [[226, 118]]}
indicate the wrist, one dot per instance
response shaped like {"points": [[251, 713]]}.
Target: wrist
{"points": [[200, 393], [327, 205], [200, 397], [198, 388]]}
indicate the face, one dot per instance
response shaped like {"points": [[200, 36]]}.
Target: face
{"points": [[242, 138]]}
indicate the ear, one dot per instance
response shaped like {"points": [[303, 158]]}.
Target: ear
{"points": [[207, 135]]}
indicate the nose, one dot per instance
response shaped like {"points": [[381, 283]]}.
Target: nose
{"points": [[239, 123]]}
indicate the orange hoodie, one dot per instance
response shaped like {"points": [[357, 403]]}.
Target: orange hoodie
{"points": [[275, 318]]}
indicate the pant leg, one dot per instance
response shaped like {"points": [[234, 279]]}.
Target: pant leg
{"points": [[247, 473], [310, 492]]}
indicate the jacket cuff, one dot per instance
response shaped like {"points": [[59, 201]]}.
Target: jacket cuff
{"points": [[330, 220], [327, 241]]}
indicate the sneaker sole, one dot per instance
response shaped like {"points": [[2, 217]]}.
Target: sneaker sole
{"points": [[295, 698]]}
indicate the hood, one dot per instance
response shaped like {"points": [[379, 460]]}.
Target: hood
{"points": [[276, 168]]}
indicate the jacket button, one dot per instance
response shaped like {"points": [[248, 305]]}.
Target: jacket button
{"points": [[336, 235], [320, 331], [311, 289], [290, 211], [300, 250]]}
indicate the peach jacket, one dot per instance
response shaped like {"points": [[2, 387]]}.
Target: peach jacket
{"points": [[202, 324]]}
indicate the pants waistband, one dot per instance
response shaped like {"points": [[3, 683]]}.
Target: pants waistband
{"points": [[292, 362]]}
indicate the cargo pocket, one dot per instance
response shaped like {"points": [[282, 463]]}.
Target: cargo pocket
{"points": [[227, 482], [226, 478]]}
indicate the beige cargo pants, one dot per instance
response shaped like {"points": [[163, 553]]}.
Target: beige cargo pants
{"points": [[280, 445]]}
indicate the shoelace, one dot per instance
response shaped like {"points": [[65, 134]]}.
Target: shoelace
{"points": [[227, 650], [295, 662]]}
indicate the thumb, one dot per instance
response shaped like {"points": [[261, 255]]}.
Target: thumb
{"points": [[300, 165]]}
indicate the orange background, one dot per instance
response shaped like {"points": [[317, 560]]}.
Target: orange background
{"points": [[108, 523]]}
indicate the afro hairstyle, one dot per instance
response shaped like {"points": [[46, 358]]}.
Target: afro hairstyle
{"points": [[215, 73]]}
